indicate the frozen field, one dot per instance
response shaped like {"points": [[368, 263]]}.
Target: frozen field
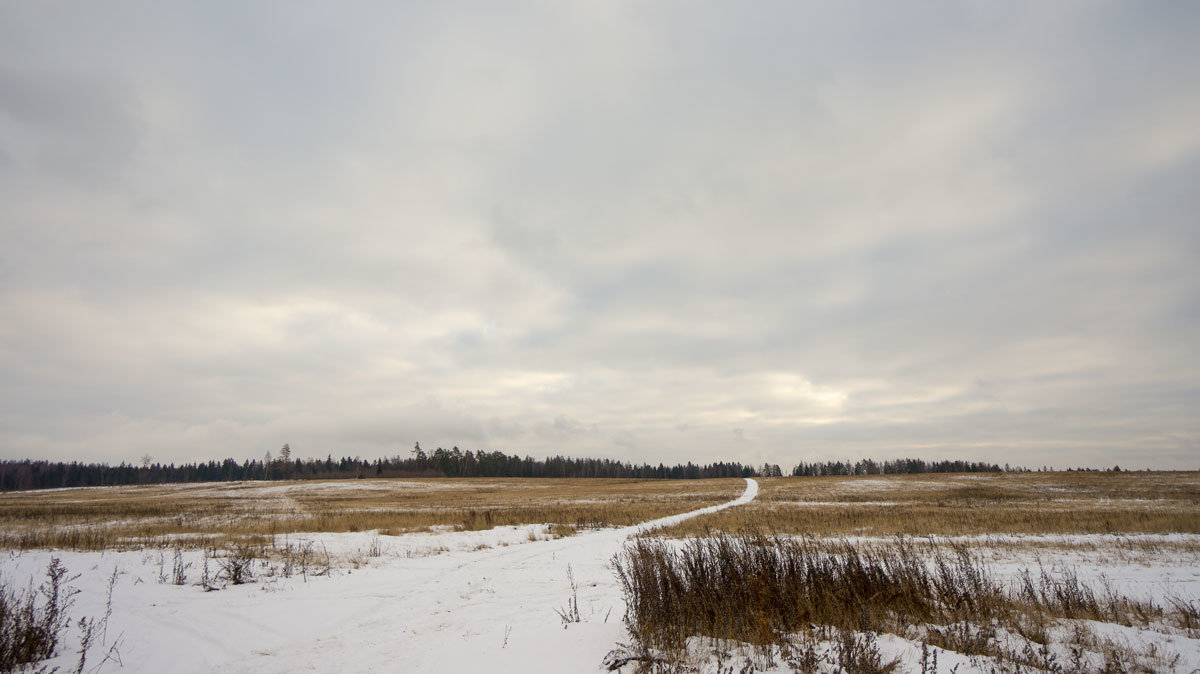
{"points": [[453, 602], [195, 515], [493, 600]]}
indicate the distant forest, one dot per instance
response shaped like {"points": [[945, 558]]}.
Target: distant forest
{"points": [[29, 474], [897, 466]]}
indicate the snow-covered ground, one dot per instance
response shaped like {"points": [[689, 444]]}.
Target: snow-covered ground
{"points": [[463, 601], [441, 602]]}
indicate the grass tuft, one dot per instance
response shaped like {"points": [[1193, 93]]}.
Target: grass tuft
{"points": [[32, 623]]}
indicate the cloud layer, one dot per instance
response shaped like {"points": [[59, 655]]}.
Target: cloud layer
{"points": [[649, 231]]}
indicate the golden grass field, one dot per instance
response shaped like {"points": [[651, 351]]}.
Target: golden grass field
{"points": [[963, 505], [872, 506], [199, 515]]}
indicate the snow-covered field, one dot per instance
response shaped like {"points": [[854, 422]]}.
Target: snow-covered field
{"points": [[442, 602], [464, 601]]}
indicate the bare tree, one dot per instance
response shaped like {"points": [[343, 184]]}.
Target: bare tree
{"points": [[285, 455]]}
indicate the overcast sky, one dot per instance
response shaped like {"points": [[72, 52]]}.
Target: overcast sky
{"points": [[651, 231]]}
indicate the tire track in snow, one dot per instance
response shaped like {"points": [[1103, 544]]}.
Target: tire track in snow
{"points": [[610, 536], [493, 611]]}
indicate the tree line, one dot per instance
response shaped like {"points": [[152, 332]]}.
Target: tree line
{"points": [[896, 467], [453, 462], [30, 474]]}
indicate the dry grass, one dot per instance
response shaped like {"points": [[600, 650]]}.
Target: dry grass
{"points": [[766, 590], [207, 514], [813, 600], [32, 623], [957, 505]]}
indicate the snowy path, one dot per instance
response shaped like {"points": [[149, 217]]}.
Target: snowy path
{"points": [[487, 610]]}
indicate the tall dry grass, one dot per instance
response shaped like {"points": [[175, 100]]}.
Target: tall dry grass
{"points": [[32, 623], [764, 590]]}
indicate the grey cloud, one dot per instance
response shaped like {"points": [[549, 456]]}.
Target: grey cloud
{"points": [[648, 232]]}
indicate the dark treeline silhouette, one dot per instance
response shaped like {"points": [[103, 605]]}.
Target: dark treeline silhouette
{"points": [[897, 467], [28, 474]]}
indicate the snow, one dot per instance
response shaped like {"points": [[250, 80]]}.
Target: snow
{"points": [[351, 486], [448, 601], [256, 488], [465, 601], [834, 504], [888, 483]]}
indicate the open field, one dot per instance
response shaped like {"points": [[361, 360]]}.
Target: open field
{"points": [[967, 505], [450, 593], [199, 515], [1075, 571], [484, 601]]}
